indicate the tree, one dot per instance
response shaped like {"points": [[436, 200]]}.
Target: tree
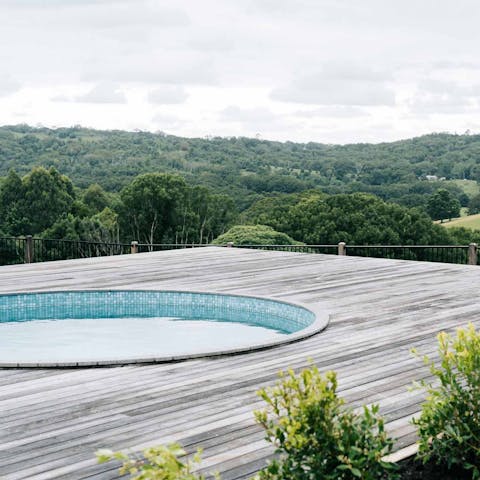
{"points": [[35, 202], [356, 218], [463, 236], [273, 211], [47, 196], [210, 214], [11, 212], [474, 205], [95, 198], [150, 207], [254, 235], [101, 228], [162, 208], [443, 204]]}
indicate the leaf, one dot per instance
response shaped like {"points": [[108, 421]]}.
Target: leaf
{"points": [[104, 455], [356, 472]]}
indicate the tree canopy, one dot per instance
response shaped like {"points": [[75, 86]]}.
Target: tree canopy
{"points": [[33, 203], [153, 208], [357, 218], [442, 204]]}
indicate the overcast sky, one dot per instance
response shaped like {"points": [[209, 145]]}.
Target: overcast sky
{"points": [[331, 71]]}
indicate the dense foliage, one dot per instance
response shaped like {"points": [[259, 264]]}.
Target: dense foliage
{"points": [[248, 168], [316, 436], [254, 235], [162, 208], [449, 425], [359, 218], [474, 205], [156, 463], [33, 203], [443, 204], [153, 208], [311, 193]]}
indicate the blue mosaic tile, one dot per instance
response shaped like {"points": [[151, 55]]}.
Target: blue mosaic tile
{"points": [[279, 316]]}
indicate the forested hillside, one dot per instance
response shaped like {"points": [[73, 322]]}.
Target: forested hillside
{"points": [[115, 186], [163, 208], [247, 168]]}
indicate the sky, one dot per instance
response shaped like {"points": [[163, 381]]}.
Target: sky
{"points": [[329, 71]]}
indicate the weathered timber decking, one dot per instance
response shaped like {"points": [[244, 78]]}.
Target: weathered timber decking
{"points": [[51, 421]]}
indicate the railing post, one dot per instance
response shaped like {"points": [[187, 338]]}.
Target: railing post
{"points": [[28, 249], [229, 244], [342, 250], [134, 247], [472, 253]]}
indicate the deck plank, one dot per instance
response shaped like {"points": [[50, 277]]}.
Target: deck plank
{"points": [[52, 420]]}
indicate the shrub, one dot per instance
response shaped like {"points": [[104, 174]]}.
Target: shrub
{"points": [[316, 437], [156, 463], [449, 424], [254, 235]]}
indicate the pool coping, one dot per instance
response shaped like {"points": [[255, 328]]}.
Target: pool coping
{"points": [[322, 319]]}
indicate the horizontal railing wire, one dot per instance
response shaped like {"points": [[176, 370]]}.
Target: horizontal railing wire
{"points": [[325, 249], [157, 247]]}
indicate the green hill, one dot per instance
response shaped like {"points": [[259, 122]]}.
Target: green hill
{"points": [[247, 168]]}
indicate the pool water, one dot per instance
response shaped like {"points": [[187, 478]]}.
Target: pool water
{"points": [[77, 340], [128, 325]]}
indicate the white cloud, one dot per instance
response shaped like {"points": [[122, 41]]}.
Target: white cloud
{"points": [[102, 93], [339, 85], [167, 94], [234, 113], [255, 120], [444, 97], [212, 41], [61, 98], [335, 111], [154, 67], [89, 14], [119, 17], [8, 84]]}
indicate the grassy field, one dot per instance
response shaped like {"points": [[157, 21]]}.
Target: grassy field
{"points": [[470, 221]]}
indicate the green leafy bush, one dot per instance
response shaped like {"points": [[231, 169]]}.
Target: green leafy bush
{"points": [[156, 463], [449, 425], [316, 436], [254, 235]]}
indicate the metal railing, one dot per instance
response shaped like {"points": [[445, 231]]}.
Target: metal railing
{"points": [[12, 251], [45, 250], [424, 253], [27, 249], [463, 254]]}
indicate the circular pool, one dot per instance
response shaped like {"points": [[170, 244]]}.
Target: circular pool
{"points": [[108, 327]]}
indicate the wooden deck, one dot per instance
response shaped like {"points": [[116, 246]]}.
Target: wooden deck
{"points": [[51, 421]]}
